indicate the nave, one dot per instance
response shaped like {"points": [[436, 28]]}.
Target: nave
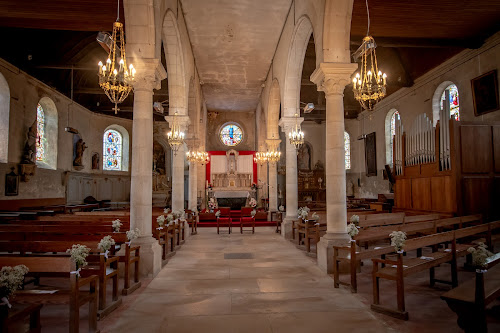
{"points": [[202, 289]]}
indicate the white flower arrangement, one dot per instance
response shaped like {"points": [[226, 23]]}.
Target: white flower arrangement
{"points": [[78, 254], [303, 212], [105, 244], [352, 230], [479, 255], [217, 213], [179, 214], [315, 216], [133, 234], [281, 208], [166, 210], [161, 220], [398, 239], [11, 278], [252, 203], [117, 224], [355, 219], [170, 217], [253, 213], [212, 204]]}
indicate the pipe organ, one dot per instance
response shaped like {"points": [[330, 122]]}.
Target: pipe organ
{"points": [[453, 168]]}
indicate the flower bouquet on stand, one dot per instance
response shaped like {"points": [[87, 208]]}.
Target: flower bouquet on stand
{"points": [[105, 244], [480, 257], [355, 220], [78, 255], [117, 224], [212, 205], [352, 231], [132, 234], [252, 203], [398, 240], [11, 279], [303, 212], [217, 214]]}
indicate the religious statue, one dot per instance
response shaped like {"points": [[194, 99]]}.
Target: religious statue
{"points": [[319, 166], [95, 161], [350, 188], [29, 153], [79, 149], [304, 158]]}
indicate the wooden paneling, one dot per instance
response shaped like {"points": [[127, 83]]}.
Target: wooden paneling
{"points": [[476, 195], [495, 211], [18, 204], [443, 196], [496, 147], [476, 148], [421, 193]]}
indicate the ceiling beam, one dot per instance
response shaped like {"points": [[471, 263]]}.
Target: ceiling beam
{"points": [[422, 42]]}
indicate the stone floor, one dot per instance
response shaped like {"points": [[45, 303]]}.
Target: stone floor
{"points": [[208, 287]]}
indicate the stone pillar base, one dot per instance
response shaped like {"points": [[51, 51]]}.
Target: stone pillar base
{"points": [[325, 249], [150, 252], [286, 227]]}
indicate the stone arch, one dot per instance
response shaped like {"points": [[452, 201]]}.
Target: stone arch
{"points": [[273, 111], [51, 133], [4, 119], [436, 100], [293, 73], [125, 145], [178, 99], [388, 135]]}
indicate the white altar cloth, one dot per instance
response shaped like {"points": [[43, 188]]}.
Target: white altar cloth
{"points": [[231, 194]]}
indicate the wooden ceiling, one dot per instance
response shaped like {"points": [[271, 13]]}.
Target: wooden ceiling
{"points": [[48, 38]]}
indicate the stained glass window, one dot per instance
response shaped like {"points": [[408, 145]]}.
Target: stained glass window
{"points": [[347, 150], [454, 101], [393, 132], [112, 150], [231, 135], [40, 133]]}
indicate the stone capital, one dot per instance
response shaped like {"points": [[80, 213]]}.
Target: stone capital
{"points": [[273, 144], [288, 123], [182, 121], [149, 73], [333, 77], [192, 143]]}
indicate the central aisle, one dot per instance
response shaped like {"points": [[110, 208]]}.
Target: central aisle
{"points": [[208, 287]]}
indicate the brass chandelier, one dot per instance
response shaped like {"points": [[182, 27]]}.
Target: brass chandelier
{"points": [[296, 136], [260, 158], [115, 78], [200, 157], [369, 86], [273, 156], [176, 136]]}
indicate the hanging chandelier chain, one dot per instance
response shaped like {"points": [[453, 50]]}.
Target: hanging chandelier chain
{"points": [[368, 14], [118, 12]]}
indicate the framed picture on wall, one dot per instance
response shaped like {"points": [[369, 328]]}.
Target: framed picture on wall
{"points": [[11, 183], [371, 155], [485, 93]]}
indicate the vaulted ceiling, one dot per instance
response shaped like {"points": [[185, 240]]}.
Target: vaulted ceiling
{"points": [[233, 43]]}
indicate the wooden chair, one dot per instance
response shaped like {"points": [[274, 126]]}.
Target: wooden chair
{"points": [[130, 258], [52, 266], [192, 221], [20, 312], [278, 218], [247, 221], [246, 211], [223, 221]]}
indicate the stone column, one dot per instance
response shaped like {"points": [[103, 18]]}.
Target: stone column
{"points": [[178, 159], [193, 178], [273, 144], [150, 72], [332, 79], [287, 124]]}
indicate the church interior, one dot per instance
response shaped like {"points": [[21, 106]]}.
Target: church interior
{"points": [[249, 166]]}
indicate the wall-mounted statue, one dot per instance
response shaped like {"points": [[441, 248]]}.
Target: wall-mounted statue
{"points": [[29, 153], [79, 149], [95, 161]]}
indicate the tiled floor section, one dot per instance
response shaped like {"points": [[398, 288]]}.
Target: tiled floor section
{"points": [[280, 290]]}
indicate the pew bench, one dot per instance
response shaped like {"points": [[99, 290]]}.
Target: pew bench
{"points": [[396, 270], [75, 297], [470, 299]]}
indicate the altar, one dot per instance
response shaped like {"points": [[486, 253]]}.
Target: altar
{"points": [[230, 176]]}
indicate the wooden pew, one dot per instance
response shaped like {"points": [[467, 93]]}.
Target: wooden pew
{"points": [[398, 269], [469, 300], [75, 297]]}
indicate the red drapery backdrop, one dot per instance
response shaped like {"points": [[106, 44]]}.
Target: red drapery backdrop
{"points": [[220, 152]]}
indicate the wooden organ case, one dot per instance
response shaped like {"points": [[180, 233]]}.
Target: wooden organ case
{"points": [[452, 169]]}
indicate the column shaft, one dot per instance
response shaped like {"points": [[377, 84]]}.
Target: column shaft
{"points": [[193, 186], [178, 179], [273, 187]]}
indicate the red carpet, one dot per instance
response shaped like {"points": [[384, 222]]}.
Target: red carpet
{"points": [[236, 223]]}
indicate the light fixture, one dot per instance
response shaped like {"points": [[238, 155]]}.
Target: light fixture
{"points": [[273, 156], [308, 107], [175, 137], [369, 86], [115, 78], [296, 136], [260, 158], [200, 157]]}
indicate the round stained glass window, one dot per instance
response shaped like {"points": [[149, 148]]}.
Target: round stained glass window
{"points": [[231, 135]]}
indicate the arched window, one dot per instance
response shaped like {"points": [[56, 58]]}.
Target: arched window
{"points": [[453, 101], [347, 150], [47, 134], [231, 135], [390, 131], [40, 133], [112, 150]]}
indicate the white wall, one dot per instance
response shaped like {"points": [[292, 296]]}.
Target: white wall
{"points": [[25, 93]]}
